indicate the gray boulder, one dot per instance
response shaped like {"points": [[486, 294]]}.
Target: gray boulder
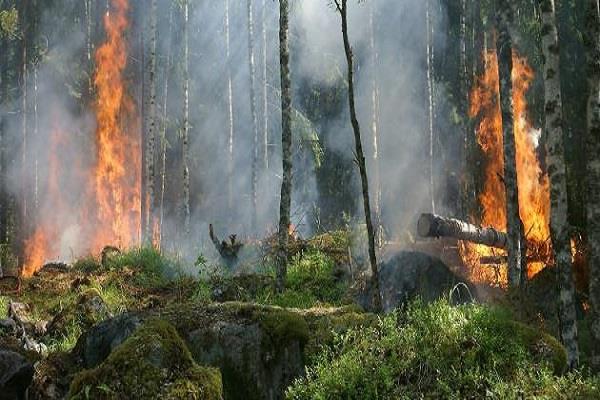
{"points": [[410, 274], [16, 374]]}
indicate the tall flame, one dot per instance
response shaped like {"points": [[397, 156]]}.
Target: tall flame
{"points": [[117, 173], [111, 213], [534, 195]]}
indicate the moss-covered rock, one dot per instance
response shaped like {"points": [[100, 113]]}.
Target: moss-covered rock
{"points": [[153, 363], [259, 349]]}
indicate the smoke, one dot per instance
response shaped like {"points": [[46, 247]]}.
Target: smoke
{"points": [[318, 62]]}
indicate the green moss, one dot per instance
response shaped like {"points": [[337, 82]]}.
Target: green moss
{"points": [[284, 326], [154, 362]]}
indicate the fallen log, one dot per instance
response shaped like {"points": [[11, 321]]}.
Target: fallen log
{"points": [[430, 225]]}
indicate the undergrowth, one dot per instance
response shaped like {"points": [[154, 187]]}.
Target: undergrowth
{"points": [[440, 351]]}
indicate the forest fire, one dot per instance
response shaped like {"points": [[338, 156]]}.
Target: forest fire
{"points": [[111, 210], [534, 196], [117, 173]]}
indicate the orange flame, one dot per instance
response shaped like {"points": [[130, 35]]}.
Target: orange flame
{"points": [[117, 173], [534, 195], [112, 210]]}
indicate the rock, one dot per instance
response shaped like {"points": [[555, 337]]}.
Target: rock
{"points": [[96, 345], [8, 326], [16, 374], [259, 350], [153, 363], [410, 274]]}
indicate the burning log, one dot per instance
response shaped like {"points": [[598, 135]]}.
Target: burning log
{"points": [[228, 250], [430, 225]]}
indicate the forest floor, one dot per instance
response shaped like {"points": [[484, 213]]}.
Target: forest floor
{"points": [[132, 325]]}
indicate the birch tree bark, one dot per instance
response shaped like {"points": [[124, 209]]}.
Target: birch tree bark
{"points": [[24, 78], [431, 104], [230, 138], [186, 120], [286, 145], [555, 161], [516, 250], [151, 130], [592, 39], [265, 88], [252, 70], [342, 9], [163, 133], [375, 126]]}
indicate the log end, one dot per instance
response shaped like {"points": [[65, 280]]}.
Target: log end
{"points": [[425, 225]]}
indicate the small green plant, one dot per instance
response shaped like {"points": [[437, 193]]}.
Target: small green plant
{"points": [[200, 262]]}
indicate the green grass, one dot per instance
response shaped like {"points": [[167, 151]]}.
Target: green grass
{"points": [[440, 351], [310, 282], [4, 307], [154, 267]]}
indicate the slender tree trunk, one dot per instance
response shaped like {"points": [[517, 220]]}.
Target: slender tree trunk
{"points": [[36, 179], [593, 170], [555, 161], [342, 8], [375, 126], [163, 133], [151, 130], [230, 139], [286, 144], [430, 89], [88, 47], [265, 88], [24, 15], [4, 88], [186, 121], [252, 70], [516, 252]]}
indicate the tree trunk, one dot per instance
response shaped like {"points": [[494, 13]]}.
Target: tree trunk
{"points": [[163, 133], [151, 130], [593, 170], [431, 103], [230, 111], [375, 125], [342, 8], [265, 89], [555, 161], [88, 48], [186, 121], [286, 145], [516, 252], [252, 71], [24, 15], [430, 225]]}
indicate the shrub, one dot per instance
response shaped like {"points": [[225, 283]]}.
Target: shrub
{"points": [[310, 281], [440, 351]]}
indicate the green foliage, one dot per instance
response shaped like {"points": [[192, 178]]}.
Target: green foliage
{"points": [[311, 281], [440, 351], [152, 363], [9, 23], [308, 137], [4, 306], [153, 268]]}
